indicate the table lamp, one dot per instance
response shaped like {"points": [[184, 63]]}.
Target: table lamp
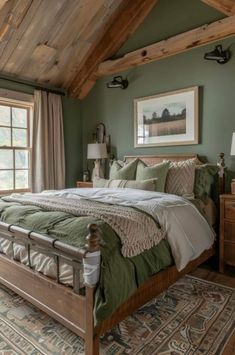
{"points": [[97, 151], [233, 153]]}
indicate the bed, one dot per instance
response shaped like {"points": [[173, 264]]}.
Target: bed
{"points": [[73, 302]]}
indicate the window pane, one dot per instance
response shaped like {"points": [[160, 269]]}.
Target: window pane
{"points": [[6, 159], [22, 179], [5, 117], [5, 136], [6, 180], [21, 159], [19, 137], [19, 117]]}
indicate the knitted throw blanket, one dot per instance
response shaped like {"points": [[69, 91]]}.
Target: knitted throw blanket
{"points": [[137, 230]]}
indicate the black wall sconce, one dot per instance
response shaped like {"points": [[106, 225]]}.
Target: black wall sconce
{"points": [[118, 82], [219, 55]]}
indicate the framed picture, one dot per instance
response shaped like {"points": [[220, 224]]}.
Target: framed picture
{"points": [[167, 119]]}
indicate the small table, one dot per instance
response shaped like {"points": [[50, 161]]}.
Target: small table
{"points": [[84, 184], [227, 231]]}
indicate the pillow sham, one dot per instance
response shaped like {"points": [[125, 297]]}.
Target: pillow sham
{"points": [[121, 170], [149, 185], [204, 179], [180, 178], [158, 171]]}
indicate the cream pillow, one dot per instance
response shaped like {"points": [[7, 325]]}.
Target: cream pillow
{"points": [[149, 185], [180, 178]]}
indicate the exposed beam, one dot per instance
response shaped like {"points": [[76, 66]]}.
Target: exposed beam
{"points": [[227, 7], [123, 24], [174, 45]]}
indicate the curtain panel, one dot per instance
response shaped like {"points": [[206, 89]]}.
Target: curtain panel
{"points": [[48, 157]]}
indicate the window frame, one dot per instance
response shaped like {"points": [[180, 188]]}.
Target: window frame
{"points": [[28, 106]]}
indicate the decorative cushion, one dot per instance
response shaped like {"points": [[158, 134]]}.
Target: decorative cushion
{"points": [[123, 171], [158, 171], [204, 179], [180, 178], [149, 184]]}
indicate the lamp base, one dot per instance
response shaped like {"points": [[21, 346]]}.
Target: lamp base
{"points": [[98, 170], [233, 187]]}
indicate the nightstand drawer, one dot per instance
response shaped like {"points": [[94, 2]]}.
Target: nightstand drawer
{"points": [[84, 184], [229, 209], [229, 231], [229, 253]]}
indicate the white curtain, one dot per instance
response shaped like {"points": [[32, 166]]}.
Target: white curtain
{"points": [[48, 159]]}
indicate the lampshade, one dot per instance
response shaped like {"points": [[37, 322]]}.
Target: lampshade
{"points": [[96, 151], [233, 145]]}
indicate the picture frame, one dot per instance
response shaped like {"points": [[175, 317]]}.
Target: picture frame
{"points": [[167, 119]]}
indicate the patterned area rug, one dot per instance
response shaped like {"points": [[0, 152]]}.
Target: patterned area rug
{"points": [[191, 317]]}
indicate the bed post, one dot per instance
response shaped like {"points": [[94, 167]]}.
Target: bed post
{"points": [[91, 339], [221, 165]]}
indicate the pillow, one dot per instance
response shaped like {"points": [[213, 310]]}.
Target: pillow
{"points": [[123, 171], [180, 178], [158, 171], [204, 179], [149, 185]]}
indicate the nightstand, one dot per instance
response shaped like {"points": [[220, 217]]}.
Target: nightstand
{"points": [[227, 231], [84, 184]]}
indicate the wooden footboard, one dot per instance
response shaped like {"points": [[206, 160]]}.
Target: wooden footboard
{"points": [[73, 307]]}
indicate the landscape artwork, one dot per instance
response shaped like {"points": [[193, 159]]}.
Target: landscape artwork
{"points": [[167, 119]]}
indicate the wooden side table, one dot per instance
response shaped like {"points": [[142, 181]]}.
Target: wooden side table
{"points": [[84, 184], [227, 231]]}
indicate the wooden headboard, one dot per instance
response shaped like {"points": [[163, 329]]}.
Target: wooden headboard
{"points": [[155, 159]]}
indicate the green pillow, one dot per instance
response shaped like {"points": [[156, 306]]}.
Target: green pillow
{"points": [[204, 179], [158, 171], [149, 185], [123, 171]]}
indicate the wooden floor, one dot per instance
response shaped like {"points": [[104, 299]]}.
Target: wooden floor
{"points": [[227, 279]]}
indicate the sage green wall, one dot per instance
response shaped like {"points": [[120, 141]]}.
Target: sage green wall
{"points": [[114, 107], [72, 131]]}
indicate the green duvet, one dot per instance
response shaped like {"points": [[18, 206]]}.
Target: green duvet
{"points": [[120, 276]]}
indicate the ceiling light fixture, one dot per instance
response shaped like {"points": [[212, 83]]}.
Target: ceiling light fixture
{"points": [[219, 55], [118, 82]]}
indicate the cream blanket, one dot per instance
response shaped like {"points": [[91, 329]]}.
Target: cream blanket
{"points": [[137, 230]]}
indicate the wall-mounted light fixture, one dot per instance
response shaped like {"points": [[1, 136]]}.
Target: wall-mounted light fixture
{"points": [[118, 82], [219, 55]]}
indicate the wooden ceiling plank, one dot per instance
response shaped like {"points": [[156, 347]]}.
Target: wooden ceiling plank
{"points": [[172, 46], [124, 22], [36, 32], [227, 7], [8, 46], [71, 58], [2, 3]]}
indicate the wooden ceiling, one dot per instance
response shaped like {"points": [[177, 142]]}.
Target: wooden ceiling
{"points": [[60, 42], [69, 44]]}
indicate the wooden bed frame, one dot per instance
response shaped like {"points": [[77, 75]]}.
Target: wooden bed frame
{"points": [[73, 307]]}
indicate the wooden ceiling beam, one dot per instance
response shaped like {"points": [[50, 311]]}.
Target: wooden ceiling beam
{"points": [[128, 17], [227, 7], [174, 45]]}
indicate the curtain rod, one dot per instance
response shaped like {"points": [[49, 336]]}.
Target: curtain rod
{"points": [[36, 86]]}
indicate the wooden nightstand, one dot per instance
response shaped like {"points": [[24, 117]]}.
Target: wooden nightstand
{"points": [[84, 184], [227, 231]]}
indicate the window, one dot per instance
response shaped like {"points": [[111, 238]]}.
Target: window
{"points": [[14, 146]]}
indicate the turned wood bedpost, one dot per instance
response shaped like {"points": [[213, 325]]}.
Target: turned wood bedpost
{"points": [[91, 338], [221, 165]]}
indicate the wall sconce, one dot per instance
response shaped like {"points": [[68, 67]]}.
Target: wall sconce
{"points": [[118, 82], [219, 55]]}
